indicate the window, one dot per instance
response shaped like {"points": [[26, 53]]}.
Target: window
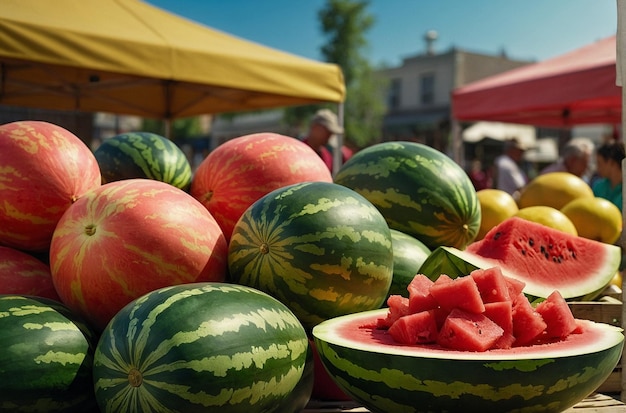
{"points": [[394, 93], [427, 89]]}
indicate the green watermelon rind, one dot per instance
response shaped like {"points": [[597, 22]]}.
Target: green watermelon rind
{"points": [[397, 378], [418, 189], [143, 155], [456, 263], [204, 346]]}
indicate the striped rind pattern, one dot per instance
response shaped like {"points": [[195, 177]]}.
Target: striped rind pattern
{"points": [[200, 347], [143, 155], [418, 189], [46, 359], [320, 248]]}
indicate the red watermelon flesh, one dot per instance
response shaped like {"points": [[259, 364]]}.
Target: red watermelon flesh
{"points": [[415, 328], [420, 298], [527, 322], [492, 286], [557, 315], [510, 322], [467, 331], [545, 259], [462, 293]]}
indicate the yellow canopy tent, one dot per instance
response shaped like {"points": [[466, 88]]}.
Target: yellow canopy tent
{"points": [[128, 57]]}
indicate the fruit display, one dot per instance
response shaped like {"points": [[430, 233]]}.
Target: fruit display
{"points": [[46, 358], [242, 170], [385, 376], [548, 216], [263, 283], [200, 347], [496, 205], [143, 155], [544, 258], [45, 168], [320, 248], [595, 218], [418, 189], [554, 189], [127, 238]]}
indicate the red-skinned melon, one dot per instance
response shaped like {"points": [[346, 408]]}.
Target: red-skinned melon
{"points": [[23, 274], [244, 169], [128, 238], [44, 168]]}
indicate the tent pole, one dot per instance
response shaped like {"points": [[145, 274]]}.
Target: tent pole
{"points": [[337, 153], [167, 124], [620, 75]]}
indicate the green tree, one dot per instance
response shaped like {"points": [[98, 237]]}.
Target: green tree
{"points": [[179, 128], [344, 24]]}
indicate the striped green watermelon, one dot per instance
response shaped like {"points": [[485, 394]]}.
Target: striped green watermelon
{"points": [[46, 359], [418, 189], [143, 155], [388, 377], [201, 347], [320, 248]]}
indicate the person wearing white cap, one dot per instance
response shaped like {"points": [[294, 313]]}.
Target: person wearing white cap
{"points": [[509, 177], [324, 126]]}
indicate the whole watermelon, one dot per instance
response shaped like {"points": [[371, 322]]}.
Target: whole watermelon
{"points": [[143, 155], [320, 248], [22, 273], [202, 347], [240, 171], [419, 190], [46, 359], [44, 168], [130, 237]]}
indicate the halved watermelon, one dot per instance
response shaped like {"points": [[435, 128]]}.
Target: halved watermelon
{"points": [[545, 259]]}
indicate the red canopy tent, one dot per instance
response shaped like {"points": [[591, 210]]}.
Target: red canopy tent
{"points": [[572, 89]]}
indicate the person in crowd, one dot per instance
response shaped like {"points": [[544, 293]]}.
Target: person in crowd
{"points": [[509, 175], [322, 132], [575, 158], [608, 183], [479, 176]]}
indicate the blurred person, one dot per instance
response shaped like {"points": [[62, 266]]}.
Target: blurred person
{"points": [[322, 133], [608, 183], [508, 174], [479, 176], [575, 158]]}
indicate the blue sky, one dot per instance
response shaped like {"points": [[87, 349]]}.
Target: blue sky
{"points": [[529, 29]]}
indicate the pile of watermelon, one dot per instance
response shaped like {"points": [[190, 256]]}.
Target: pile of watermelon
{"points": [[482, 311]]}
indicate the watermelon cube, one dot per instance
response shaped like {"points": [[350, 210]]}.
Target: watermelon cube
{"points": [[420, 298], [527, 322], [417, 328], [515, 286], [468, 331], [501, 313], [492, 285], [557, 315], [461, 293], [398, 307]]}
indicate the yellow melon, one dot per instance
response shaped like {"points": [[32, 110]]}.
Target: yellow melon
{"points": [[496, 206], [554, 189], [595, 218], [548, 216]]}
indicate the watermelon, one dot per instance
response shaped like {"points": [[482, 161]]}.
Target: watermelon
{"points": [[242, 170], [543, 258], [318, 247], [409, 254], [201, 347], [46, 360], [127, 238], [143, 155], [385, 376], [44, 168], [23, 274], [418, 189]]}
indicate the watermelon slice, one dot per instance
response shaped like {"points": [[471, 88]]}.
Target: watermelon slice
{"points": [[543, 258]]}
